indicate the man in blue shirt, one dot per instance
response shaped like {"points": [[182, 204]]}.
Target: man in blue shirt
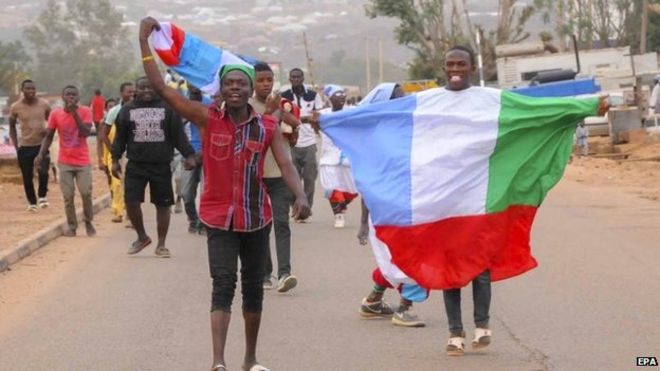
{"points": [[190, 179]]}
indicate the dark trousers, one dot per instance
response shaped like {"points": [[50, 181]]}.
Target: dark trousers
{"points": [[190, 180], [225, 248], [304, 159], [481, 293], [26, 156], [280, 199]]}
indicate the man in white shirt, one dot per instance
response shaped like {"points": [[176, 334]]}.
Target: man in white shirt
{"points": [[304, 152]]}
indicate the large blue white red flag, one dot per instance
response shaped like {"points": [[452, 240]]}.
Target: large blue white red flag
{"points": [[453, 179]]}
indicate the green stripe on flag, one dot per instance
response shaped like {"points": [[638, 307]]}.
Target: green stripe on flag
{"points": [[533, 146]]}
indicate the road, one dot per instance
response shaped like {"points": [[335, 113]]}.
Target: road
{"points": [[592, 304]]}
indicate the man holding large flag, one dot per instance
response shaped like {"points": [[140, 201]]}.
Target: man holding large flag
{"points": [[453, 178], [234, 204]]}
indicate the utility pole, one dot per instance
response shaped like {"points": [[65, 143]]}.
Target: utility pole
{"points": [[380, 61], [645, 25], [480, 62], [310, 61], [368, 64]]}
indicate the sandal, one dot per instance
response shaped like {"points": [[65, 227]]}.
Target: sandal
{"points": [[219, 367], [456, 346], [138, 245], [258, 367], [482, 338]]}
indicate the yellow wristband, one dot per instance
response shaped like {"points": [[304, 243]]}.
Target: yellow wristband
{"points": [[148, 58]]}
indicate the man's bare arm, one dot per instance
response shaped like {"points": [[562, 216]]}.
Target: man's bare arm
{"points": [[301, 208], [195, 112], [13, 134]]}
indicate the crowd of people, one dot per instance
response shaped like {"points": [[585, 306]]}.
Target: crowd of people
{"points": [[251, 153]]}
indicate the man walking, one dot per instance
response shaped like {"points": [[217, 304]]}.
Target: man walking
{"points": [[148, 130], [280, 196], [73, 124], [106, 136], [32, 112], [235, 206], [98, 108], [304, 153]]}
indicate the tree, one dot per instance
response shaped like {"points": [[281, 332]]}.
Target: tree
{"points": [[13, 59], [425, 28], [81, 42], [599, 22]]}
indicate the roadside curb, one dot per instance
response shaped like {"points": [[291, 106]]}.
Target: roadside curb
{"points": [[40, 239]]}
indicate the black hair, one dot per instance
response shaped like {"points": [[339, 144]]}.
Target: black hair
{"points": [[463, 49], [296, 69], [124, 85], [140, 79], [108, 101], [97, 91], [69, 87], [26, 81], [394, 90], [262, 67]]}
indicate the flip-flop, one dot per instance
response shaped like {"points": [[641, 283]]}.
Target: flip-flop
{"points": [[219, 367], [138, 245]]}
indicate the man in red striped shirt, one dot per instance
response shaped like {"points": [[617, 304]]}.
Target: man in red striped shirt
{"points": [[234, 206]]}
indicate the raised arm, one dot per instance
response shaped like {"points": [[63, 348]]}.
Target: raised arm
{"points": [[301, 208], [195, 112]]}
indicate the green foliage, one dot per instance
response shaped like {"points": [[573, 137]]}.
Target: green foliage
{"points": [[425, 28], [601, 21], [13, 59], [82, 43]]}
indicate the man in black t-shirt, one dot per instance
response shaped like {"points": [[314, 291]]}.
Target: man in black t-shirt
{"points": [[149, 130]]}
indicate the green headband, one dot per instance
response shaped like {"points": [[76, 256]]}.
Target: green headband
{"points": [[247, 70]]}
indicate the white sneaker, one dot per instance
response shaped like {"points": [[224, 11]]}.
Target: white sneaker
{"points": [[43, 202], [286, 283], [32, 208], [340, 222]]}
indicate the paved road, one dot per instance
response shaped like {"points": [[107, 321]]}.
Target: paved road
{"points": [[593, 303]]}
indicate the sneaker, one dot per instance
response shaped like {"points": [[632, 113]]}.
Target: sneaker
{"points": [[43, 202], [89, 228], [201, 230], [117, 219], [268, 283], [69, 233], [138, 245], [162, 252], [340, 222], [304, 221], [286, 283], [375, 309], [405, 317], [178, 207], [456, 345], [32, 208], [192, 227], [482, 337]]}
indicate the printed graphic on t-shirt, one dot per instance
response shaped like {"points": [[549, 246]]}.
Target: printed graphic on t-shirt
{"points": [[148, 124], [70, 137]]}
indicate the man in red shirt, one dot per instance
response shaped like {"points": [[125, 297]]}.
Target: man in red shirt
{"points": [[98, 108], [234, 205], [73, 124]]}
